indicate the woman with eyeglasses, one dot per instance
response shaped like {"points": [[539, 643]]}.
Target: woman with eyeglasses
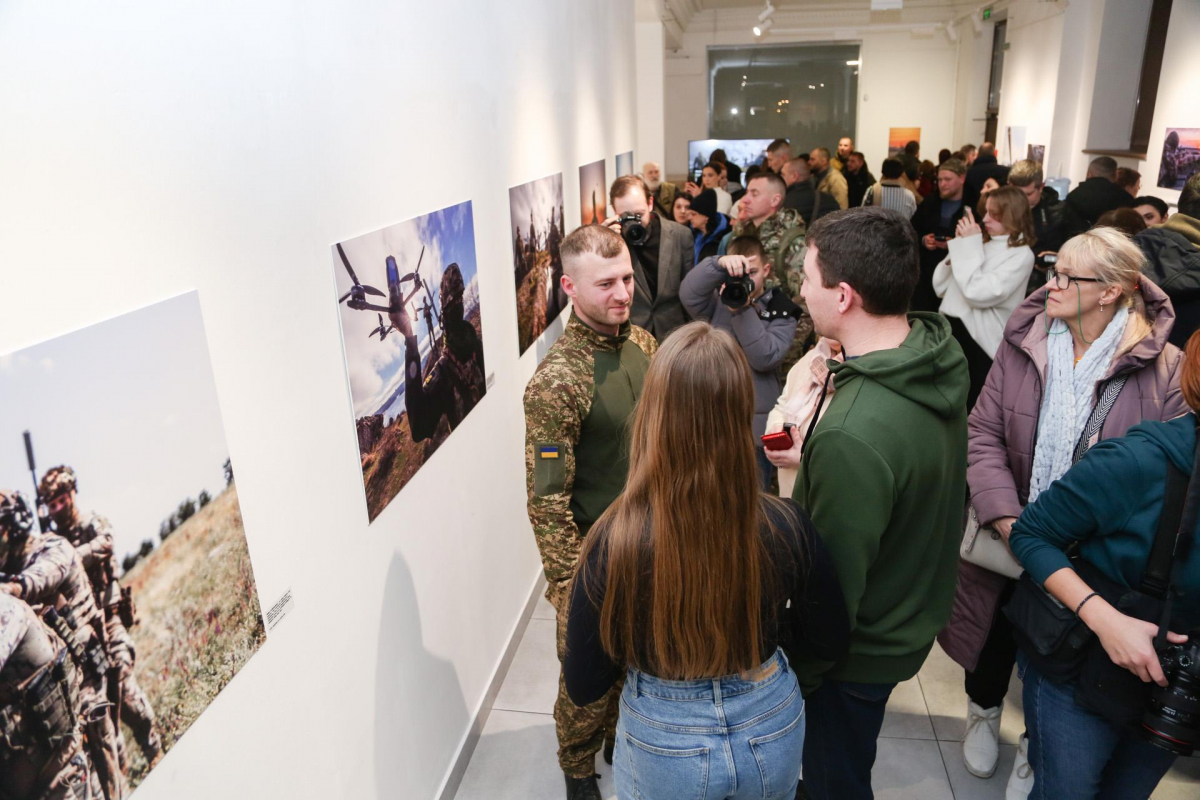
{"points": [[1096, 335]]}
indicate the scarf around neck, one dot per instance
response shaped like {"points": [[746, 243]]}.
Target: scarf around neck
{"points": [[1069, 396]]}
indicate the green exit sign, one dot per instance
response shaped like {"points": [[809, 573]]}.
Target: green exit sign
{"points": [[987, 13]]}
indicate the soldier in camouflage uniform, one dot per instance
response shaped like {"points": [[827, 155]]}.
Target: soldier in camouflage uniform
{"points": [[577, 408], [41, 730], [46, 572], [781, 231], [453, 382], [92, 537]]}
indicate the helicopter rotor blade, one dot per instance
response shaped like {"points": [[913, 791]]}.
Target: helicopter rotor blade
{"points": [[372, 290], [346, 263], [346, 296]]}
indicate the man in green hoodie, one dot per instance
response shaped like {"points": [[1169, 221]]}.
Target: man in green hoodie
{"points": [[884, 479]]}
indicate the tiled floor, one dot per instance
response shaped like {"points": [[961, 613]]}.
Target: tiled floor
{"points": [[919, 752]]}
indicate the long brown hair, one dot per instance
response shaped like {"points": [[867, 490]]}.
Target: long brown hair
{"points": [[687, 561], [1012, 210]]}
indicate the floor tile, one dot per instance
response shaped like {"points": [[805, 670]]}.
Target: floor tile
{"points": [[543, 609], [942, 683], [532, 681], [906, 716], [966, 786], [910, 769], [1181, 783]]}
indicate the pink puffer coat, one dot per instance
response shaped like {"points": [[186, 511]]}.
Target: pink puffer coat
{"points": [[1003, 429]]}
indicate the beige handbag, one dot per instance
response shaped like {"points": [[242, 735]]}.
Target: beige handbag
{"points": [[983, 546]]}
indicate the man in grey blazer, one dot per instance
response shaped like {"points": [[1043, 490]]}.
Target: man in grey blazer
{"points": [[660, 260]]}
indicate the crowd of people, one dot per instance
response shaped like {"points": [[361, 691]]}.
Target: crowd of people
{"points": [[804, 422]]}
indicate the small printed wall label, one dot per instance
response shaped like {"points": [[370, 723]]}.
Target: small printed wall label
{"points": [[278, 611]]}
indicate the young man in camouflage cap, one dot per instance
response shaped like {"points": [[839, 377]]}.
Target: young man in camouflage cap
{"points": [[576, 455], [92, 537]]}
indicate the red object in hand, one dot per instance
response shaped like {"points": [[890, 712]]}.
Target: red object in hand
{"points": [[777, 441]]}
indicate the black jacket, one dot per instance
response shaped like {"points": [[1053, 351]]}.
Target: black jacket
{"points": [[985, 167], [926, 220], [857, 184], [1173, 262], [1047, 222], [802, 196], [1088, 201]]}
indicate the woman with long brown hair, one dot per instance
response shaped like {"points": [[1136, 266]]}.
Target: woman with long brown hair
{"points": [[692, 581], [983, 279]]}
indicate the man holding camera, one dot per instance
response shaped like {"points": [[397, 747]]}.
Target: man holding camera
{"points": [[730, 292], [662, 255]]}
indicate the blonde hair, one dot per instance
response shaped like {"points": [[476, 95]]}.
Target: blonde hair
{"points": [[1116, 261]]}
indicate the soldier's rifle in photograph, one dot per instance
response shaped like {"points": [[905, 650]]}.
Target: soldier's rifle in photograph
{"points": [[43, 513]]}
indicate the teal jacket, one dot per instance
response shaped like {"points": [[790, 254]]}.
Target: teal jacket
{"points": [[884, 480], [1110, 503]]}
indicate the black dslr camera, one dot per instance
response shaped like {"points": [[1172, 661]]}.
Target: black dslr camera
{"points": [[1172, 717], [736, 291], [633, 229]]}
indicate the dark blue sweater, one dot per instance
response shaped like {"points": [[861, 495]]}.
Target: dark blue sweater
{"points": [[1110, 503]]}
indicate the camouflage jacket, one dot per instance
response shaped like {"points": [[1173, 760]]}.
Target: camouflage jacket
{"points": [[788, 275], [49, 568], [88, 535], [15, 620], [577, 408]]}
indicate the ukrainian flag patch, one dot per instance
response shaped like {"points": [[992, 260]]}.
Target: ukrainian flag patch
{"points": [[548, 451]]}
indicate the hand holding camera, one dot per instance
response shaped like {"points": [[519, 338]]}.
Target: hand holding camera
{"points": [[738, 288]]}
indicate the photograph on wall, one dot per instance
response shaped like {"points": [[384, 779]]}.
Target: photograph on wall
{"points": [[120, 529], [413, 339], [624, 164], [593, 193], [743, 152], [1036, 152], [898, 137], [536, 211], [1180, 158]]}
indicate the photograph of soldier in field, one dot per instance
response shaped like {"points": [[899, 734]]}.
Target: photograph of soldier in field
{"points": [[1180, 158], [536, 211], [414, 349], [593, 193], [127, 598]]}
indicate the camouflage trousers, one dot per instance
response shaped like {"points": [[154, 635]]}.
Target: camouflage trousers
{"points": [[67, 773], [582, 731], [136, 711]]}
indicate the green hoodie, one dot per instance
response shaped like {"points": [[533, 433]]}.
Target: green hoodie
{"points": [[884, 480]]}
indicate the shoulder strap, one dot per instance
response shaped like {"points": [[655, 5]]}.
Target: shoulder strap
{"points": [[1158, 568], [1091, 430], [785, 241]]}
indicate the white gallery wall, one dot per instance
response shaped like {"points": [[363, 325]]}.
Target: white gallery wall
{"points": [[150, 148]]}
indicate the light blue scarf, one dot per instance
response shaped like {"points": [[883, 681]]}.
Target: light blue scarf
{"points": [[1069, 396]]}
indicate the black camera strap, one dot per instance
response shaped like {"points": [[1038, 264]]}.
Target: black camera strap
{"points": [[1181, 508]]}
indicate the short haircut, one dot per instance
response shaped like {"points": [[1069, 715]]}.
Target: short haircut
{"points": [[1126, 177], [718, 155], [799, 168], [822, 151], [987, 149], [626, 184], [913, 147], [590, 239], [748, 246], [858, 154], [1189, 198], [752, 170], [944, 155], [967, 149], [778, 143], [1157, 203], [1025, 172], [777, 184], [875, 250], [1103, 167], [892, 168], [953, 165]]}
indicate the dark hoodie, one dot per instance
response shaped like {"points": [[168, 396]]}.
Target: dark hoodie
{"points": [[1173, 262], [1110, 503], [884, 478]]}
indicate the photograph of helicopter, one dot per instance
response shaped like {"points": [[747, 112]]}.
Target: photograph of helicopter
{"points": [[414, 359], [539, 226]]}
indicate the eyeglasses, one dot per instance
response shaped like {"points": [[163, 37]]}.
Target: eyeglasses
{"points": [[1061, 280]]}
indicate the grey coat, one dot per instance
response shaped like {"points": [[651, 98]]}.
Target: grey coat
{"points": [[676, 256], [764, 331], [1003, 431]]}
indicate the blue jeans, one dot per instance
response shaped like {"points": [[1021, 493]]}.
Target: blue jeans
{"points": [[846, 718], [1078, 755], [733, 737], [766, 470]]}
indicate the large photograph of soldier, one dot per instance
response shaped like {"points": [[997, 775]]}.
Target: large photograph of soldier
{"points": [[413, 339], [127, 598], [536, 210], [593, 193], [1180, 158]]}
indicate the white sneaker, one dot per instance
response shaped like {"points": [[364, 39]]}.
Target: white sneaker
{"points": [[1020, 781], [981, 744]]}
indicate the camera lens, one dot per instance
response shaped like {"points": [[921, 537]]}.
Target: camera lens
{"points": [[634, 231], [736, 291], [1172, 717]]}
